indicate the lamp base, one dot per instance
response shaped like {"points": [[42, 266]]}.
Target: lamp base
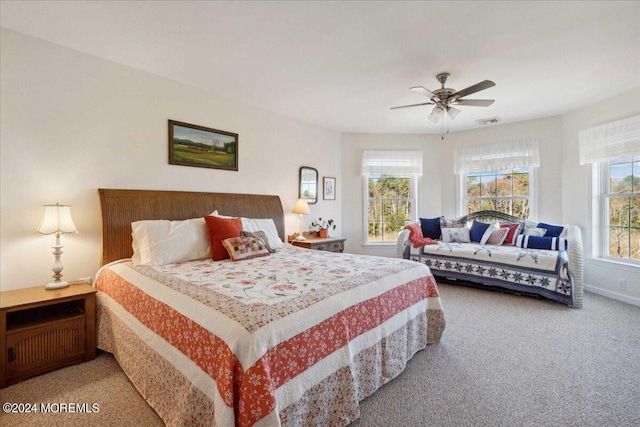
{"points": [[57, 284], [300, 238]]}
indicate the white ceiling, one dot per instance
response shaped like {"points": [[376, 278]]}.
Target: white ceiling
{"points": [[342, 65]]}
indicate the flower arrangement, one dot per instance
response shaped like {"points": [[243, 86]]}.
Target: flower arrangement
{"points": [[321, 224]]}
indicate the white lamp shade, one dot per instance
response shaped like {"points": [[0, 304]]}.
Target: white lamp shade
{"points": [[57, 219], [438, 111], [301, 207], [453, 112]]}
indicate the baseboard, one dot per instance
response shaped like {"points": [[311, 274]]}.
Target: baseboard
{"points": [[613, 295]]}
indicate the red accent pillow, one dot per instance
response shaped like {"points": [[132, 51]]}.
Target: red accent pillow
{"points": [[514, 230], [219, 230]]}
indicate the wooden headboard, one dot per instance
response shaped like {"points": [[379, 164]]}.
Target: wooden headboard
{"points": [[122, 207]]}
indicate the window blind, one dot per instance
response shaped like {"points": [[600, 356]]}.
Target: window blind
{"points": [[392, 162], [613, 140], [498, 156]]}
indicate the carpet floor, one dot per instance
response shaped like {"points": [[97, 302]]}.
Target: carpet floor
{"points": [[504, 360]]}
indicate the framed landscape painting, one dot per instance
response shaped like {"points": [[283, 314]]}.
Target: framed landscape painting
{"points": [[192, 145]]}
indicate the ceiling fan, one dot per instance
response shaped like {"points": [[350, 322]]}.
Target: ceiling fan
{"points": [[444, 98]]}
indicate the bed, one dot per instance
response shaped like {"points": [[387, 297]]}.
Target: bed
{"points": [[297, 337]]}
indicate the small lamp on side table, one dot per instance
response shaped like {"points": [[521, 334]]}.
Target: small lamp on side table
{"points": [[301, 208], [57, 220]]}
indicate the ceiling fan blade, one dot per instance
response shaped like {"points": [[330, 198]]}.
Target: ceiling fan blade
{"points": [[473, 89], [426, 92], [474, 102], [412, 105]]}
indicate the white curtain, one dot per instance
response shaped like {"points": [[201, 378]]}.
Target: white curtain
{"points": [[499, 156], [392, 162], [610, 141]]}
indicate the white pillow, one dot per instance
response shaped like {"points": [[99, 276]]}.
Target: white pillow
{"points": [[159, 242], [264, 224], [535, 232], [456, 235]]}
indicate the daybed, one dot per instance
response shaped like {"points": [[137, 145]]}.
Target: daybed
{"points": [[293, 337], [553, 274]]}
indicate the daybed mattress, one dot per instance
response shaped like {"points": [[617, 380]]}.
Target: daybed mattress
{"points": [[295, 338], [536, 271]]}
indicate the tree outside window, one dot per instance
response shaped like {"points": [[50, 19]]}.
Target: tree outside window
{"points": [[505, 191], [390, 204], [622, 202]]}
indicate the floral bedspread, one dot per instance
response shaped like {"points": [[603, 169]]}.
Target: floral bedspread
{"points": [[297, 336], [537, 271]]}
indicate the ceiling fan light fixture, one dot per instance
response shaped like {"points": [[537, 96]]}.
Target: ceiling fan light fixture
{"points": [[453, 112], [444, 98], [438, 111]]}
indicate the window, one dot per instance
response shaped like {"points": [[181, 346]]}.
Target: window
{"points": [[505, 191], [499, 177], [390, 206], [390, 189], [614, 151], [620, 203]]}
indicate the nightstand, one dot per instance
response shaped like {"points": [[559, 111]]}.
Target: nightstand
{"points": [[330, 244], [43, 330]]}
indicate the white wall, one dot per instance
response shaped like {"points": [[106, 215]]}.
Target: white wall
{"points": [[429, 185], [73, 123], [600, 276]]}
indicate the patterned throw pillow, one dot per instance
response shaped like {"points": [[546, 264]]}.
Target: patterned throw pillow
{"points": [[452, 223], [497, 236], [456, 235], [260, 235], [244, 247]]}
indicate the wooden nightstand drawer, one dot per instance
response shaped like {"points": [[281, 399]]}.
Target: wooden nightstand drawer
{"points": [[330, 244], [331, 247], [44, 330]]}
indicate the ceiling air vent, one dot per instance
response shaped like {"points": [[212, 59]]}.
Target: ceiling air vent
{"points": [[489, 121]]}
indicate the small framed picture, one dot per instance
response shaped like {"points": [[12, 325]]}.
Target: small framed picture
{"points": [[199, 146], [328, 188]]}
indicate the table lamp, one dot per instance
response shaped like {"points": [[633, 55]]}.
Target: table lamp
{"points": [[301, 208], [57, 220]]}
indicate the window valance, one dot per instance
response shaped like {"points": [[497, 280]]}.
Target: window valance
{"points": [[392, 162], [611, 140], [499, 156]]}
